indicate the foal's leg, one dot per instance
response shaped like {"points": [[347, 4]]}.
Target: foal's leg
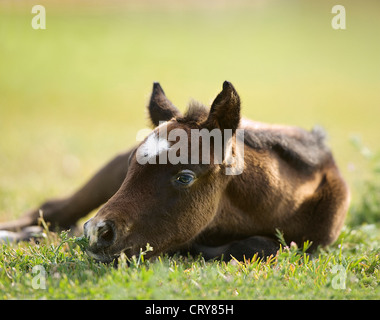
{"points": [[262, 246], [63, 213]]}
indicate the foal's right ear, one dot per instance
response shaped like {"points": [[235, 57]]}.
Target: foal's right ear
{"points": [[160, 108], [225, 110]]}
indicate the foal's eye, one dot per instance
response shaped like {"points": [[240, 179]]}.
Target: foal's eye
{"points": [[184, 178]]}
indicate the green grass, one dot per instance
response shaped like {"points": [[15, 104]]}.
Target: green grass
{"points": [[73, 95], [348, 271]]}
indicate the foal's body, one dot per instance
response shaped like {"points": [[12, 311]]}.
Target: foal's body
{"points": [[305, 204], [290, 182]]}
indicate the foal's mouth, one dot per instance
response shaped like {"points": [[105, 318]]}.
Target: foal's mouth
{"points": [[102, 257], [107, 257]]}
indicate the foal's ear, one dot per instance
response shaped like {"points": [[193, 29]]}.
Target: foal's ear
{"points": [[225, 110], [160, 108]]}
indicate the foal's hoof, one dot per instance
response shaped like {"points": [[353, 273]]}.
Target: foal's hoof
{"points": [[27, 233], [8, 236]]}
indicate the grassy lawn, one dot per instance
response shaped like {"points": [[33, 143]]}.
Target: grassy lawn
{"points": [[73, 95], [349, 270]]}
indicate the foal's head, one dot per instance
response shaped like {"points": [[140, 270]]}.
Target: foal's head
{"points": [[175, 179]]}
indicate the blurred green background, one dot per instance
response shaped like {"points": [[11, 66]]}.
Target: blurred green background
{"points": [[73, 95]]}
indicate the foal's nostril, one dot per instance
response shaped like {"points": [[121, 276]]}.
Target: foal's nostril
{"points": [[106, 234]]}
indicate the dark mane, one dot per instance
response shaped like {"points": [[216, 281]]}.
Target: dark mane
{"points": [[306, 150], [196, 113]]}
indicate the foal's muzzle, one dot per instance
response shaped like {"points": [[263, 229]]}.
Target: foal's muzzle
{"points": [[100, 234]]}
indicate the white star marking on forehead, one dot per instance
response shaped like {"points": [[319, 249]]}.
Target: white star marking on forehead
{"points": [[152, 147]]}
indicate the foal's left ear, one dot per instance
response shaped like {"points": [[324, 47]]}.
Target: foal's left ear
{"points": [[160, 108], [225, 110]]}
